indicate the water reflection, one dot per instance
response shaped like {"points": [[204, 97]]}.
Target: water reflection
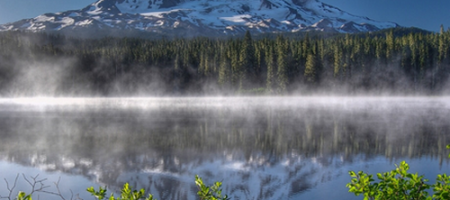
{"points": [[261, 148]]}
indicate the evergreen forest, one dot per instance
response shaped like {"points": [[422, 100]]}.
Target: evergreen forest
{"points": [[397, 61]]}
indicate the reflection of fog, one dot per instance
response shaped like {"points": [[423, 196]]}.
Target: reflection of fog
{"points": [[261, 148]]}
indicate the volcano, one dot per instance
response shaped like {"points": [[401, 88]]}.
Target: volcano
{"points": [[188, 18]]}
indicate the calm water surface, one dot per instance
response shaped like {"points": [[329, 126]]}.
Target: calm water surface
{"points": [[260, 148]]}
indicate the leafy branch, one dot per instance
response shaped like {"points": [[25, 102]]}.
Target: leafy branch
{"points": [[398, 184]]}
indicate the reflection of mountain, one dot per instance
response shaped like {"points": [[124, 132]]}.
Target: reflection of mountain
{"points": [[275, 149]]}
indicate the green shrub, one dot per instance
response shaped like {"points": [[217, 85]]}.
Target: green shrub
{"points": [[126, 194], [23, 196], [398, 184], [209, 193], [213, 192]]}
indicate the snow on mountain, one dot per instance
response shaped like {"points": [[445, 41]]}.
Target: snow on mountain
{"points": [[202, 17]]}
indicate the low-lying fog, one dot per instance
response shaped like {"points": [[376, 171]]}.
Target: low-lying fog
{"points": [[259, 147]]}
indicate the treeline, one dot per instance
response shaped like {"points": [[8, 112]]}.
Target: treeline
{"points": [[393, 62]]}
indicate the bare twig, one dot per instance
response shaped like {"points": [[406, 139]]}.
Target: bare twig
{"points": [[10, 189], [58, 193], [36, 185]]}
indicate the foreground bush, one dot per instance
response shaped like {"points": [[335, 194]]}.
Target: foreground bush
{"points": [[213, 192], [126, 194], [209, 193], [398, 184]]}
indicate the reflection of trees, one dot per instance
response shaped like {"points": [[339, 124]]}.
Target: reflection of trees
{"points": [[178, 141]]}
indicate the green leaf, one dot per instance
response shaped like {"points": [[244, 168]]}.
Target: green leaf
{"points": [[23, 196]]}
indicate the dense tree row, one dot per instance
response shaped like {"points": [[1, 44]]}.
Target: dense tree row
{"points": [[390, 62]]}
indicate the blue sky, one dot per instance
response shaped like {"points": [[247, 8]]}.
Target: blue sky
{"points": [[424, 14]]}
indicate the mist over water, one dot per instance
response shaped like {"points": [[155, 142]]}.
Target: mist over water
{"points": [[259, 147]]}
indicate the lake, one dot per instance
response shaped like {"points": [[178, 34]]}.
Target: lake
{"points": [[259, 147]]}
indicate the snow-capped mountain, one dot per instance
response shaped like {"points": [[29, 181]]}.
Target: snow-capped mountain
{"points": [[202, 17]]}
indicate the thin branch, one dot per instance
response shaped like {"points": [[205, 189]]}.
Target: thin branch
{"points": [[37, 186], [34, 184], [10, 189], [58, 193]]}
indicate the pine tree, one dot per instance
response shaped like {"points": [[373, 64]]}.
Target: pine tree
{"points": [[224, 73], [337, 61], [235, 66], [390, 44], [247, 61], [442, 45], [270, 69], [282, 72], [311, 69]]}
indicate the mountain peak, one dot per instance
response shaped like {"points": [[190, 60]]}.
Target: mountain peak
{"points": [[203, 17], [102, 6]]}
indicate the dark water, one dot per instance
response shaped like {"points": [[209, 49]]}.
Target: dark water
{"points": [[260, 148]]}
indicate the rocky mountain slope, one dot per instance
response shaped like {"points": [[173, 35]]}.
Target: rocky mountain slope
{"points": [[201, 18]]}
